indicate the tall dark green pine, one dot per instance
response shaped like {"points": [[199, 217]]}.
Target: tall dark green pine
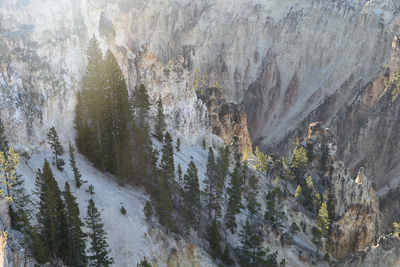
{"points": [[234, 198], [221, 172], [160, 125], [51, 216], [251, 250], [77, 173], [210, 182], [57, 148], [251, 195], [99, 252], [3, 140], [141, 104], [89, 121], [167, 166], [164, 206], [192, 194], [20, 202], [119, 122], [75, 251], [214, 238]]}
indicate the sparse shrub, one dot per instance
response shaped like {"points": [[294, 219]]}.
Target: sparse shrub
{"points": [[123, 210], [294, 228]]}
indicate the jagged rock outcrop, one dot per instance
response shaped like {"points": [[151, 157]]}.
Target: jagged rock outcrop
{"points": [[227, 120], [355, 223], [385, 253]]}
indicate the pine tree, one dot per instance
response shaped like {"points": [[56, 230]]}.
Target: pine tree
{"points": [[144, 263], [252, 252], [38, 248], [51, 216], [251, 196], [55, 145], [210, 182], [167, 166], [308, 191], [160, 125], [192, 194], [214, 238], [20, 202], [8, 169], [262, 160], [75, 250], [299, 161], [221, 172], [164, 205], [99, 252], [234, 198], [323, 221], [226, 257], [148, 210], [3, 140], [178, 144], [119, 124], [141, 105], [179, 171], [299, 194], [89, 121], [77, 173]]}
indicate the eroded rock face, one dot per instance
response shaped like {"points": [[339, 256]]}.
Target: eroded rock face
{"points": [[227, 120], [355, 223], [385, 253]]}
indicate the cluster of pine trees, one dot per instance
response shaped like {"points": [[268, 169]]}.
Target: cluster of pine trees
{"points": [[59, 232], [107, 133]]}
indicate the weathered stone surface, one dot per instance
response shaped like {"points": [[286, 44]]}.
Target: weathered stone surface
{"points": [[386, 254], [355, 223]]}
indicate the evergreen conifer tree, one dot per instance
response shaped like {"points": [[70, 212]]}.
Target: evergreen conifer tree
{"points": [[58, 150], [234, 198], [148, 210], [214, 238], [160, 125], [141, 105], [144, 263], [77, 173], [251, 195], [178, 144], [167, 163], [3, 140], [118, 131], [299, 161], [89, 121], [179, 170], [210, 182], [221, 172], [164, 206], [75, 251], [192, 194], [323, 221], [299, 194], [99, 252], [252, 252], [226, 257], [51, 216], [20, 202]]}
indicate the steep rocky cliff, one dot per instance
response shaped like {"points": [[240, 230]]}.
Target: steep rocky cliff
{"points": [[355, 216], [278, 65]]}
